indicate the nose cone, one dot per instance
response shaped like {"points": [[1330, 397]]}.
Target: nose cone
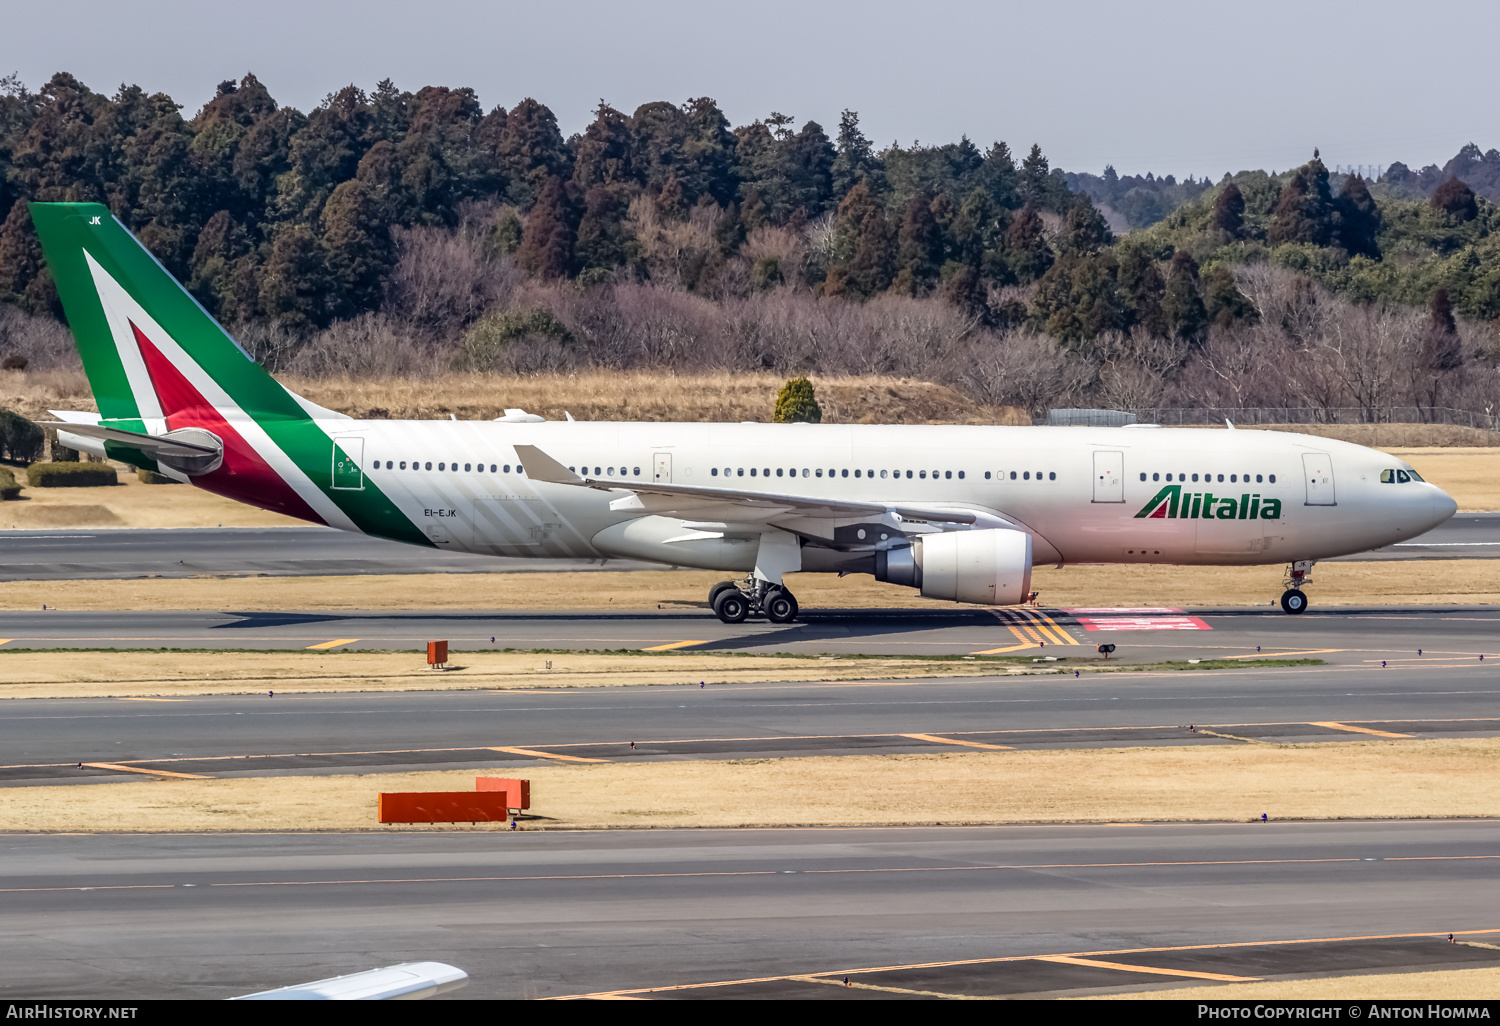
{"points": [[1443, 506]]}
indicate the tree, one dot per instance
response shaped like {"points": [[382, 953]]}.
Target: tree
{"points": [[1358, 218], [1229, 211], [603, 240], [325, 152], [1034, 177], [603, 156], [919, 247], [1455, 199], [1142, 288], [547, 242], [1026, 248], [356, 247], [1305, 210], [24, 280], [294, 285], [796, 403], [860, 264], [856, 160], [529, 151], [1442, 350], [1181, 304], [1085, 230], [1223, 301], [708, 153]]}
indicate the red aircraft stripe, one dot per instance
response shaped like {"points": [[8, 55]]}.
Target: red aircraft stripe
{"points": [[244, 475]]}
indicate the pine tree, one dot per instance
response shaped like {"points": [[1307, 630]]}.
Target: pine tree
{"points": [[1305, 210], [855, 161], [1442, 350], [1223, 301], [863, 251], [1142, 288], [356, 248], [1181, 305], [796, 403], [1034, 177], [604, 155], [1455, 199], [1229, 211], [1026, 249], [547, 241], [603, 239], [1358, 218], [1085, 230], [919, 248], [530, 150], [294, 281]]}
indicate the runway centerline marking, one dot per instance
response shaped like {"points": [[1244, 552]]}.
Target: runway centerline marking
{"points": [[545, 755], [1097, 964], [955, 741], [1334, 725], [331, 644], [1282, 655], [673, 644], [141, 769]]}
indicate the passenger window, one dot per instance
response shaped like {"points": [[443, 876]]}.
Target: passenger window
{"points": [[429, 464], [882, 475], [714, 472], [868, 473], [960, 475], [1402, 478], [908, 475], [1233, 478], [1257, 479], [780, 471], [922, 474], [1012, 475], [856, 473], [1195, 478], [752, 471], [845, 473], [1272, 479], [766, 472], [947, 475], [1052, 475], [818, 472], [986, 475], [635, 471], [1221, 478], [804, 471], [1154, 477], [466, 468], [1026, 475]]}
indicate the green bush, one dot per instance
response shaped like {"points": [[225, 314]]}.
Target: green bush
{"points": [[796, 404], [152, 477], [71, 475], [8, 488], [61, 453], [20, 438], [492, 335]]}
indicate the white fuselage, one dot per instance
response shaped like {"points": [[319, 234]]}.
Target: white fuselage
{"points": [[1080, 492]]}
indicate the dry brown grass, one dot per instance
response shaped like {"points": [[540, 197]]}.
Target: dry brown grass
{"points": [[178, 674], [132, 504], [1388, 436], [1440, 582], [1470, 475], [1442, 984], [1374, 780]]}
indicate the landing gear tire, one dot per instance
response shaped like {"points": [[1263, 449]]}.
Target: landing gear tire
{"points": [[1293, 601], [780, 606], [731, 606], [719, 589]]}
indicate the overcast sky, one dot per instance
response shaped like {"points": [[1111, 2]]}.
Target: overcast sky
{"points": [[1151, 85]]}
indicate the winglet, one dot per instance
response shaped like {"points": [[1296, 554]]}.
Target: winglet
{"points": [[541, 467]]}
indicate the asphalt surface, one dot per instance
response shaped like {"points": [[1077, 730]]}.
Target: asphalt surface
{"points": [[979, 911], [1341, 634], [44, 740], [315, 551]]}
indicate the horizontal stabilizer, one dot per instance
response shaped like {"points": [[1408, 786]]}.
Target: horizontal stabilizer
{"points": [[151, 445]]}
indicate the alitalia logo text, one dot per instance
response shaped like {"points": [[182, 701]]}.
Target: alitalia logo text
{"points": [[1171, 504]]}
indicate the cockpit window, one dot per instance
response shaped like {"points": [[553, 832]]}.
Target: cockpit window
{"points": [[1415, 476], [1402, 477], [1387, 476]]}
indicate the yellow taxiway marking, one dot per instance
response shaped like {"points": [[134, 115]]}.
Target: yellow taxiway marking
{"points": [[1064, 636], [889, 990], [155, 700], [148, 772], [1281, 655], [1332, 725], [671, 645], [1097, 964], [1012, 648], [954, 741], [546, 755], [6, 641], [332, 644]]}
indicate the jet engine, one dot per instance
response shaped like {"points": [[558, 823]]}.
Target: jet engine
{"points": [[992, 567]]}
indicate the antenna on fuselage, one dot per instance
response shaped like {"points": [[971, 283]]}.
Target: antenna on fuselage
{"points": [[1228, 423]]}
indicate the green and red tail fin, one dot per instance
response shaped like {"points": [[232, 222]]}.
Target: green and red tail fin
{"points": [[157, 361]]}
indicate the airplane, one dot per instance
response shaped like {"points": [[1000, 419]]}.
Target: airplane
{"points": [[958, 512]]}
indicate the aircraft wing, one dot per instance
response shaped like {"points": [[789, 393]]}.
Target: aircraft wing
{"points": [[541, 467]]}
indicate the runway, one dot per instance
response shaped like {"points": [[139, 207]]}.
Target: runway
{"points": [[257, 735], [314, 551], [904, 913], [1340, 634]]}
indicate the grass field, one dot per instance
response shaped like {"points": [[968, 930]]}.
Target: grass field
{"points": [[1375, 780], [1439, 582]]}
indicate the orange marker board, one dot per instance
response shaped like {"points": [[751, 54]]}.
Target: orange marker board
{"points": [[520, 790], [444, 806]]}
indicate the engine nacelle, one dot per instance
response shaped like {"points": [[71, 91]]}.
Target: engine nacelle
{"points": [[992, 567]]}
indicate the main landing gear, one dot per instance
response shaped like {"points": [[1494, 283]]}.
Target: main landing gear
{"points": [[736, 601], [1293, 601]]}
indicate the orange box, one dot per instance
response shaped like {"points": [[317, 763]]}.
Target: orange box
{"points": [[437, 653], [444, 806], [519, 790]]}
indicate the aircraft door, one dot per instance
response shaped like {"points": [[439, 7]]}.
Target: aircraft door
{"points": [[1317, 470], [1109, 477], [663, 468], [348, 462]]}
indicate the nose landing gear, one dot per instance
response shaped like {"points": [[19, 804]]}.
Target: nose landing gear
{"points": [[734, 602], [1293, 601]]}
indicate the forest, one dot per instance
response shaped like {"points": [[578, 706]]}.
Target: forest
{"points": [[394, 233]]}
